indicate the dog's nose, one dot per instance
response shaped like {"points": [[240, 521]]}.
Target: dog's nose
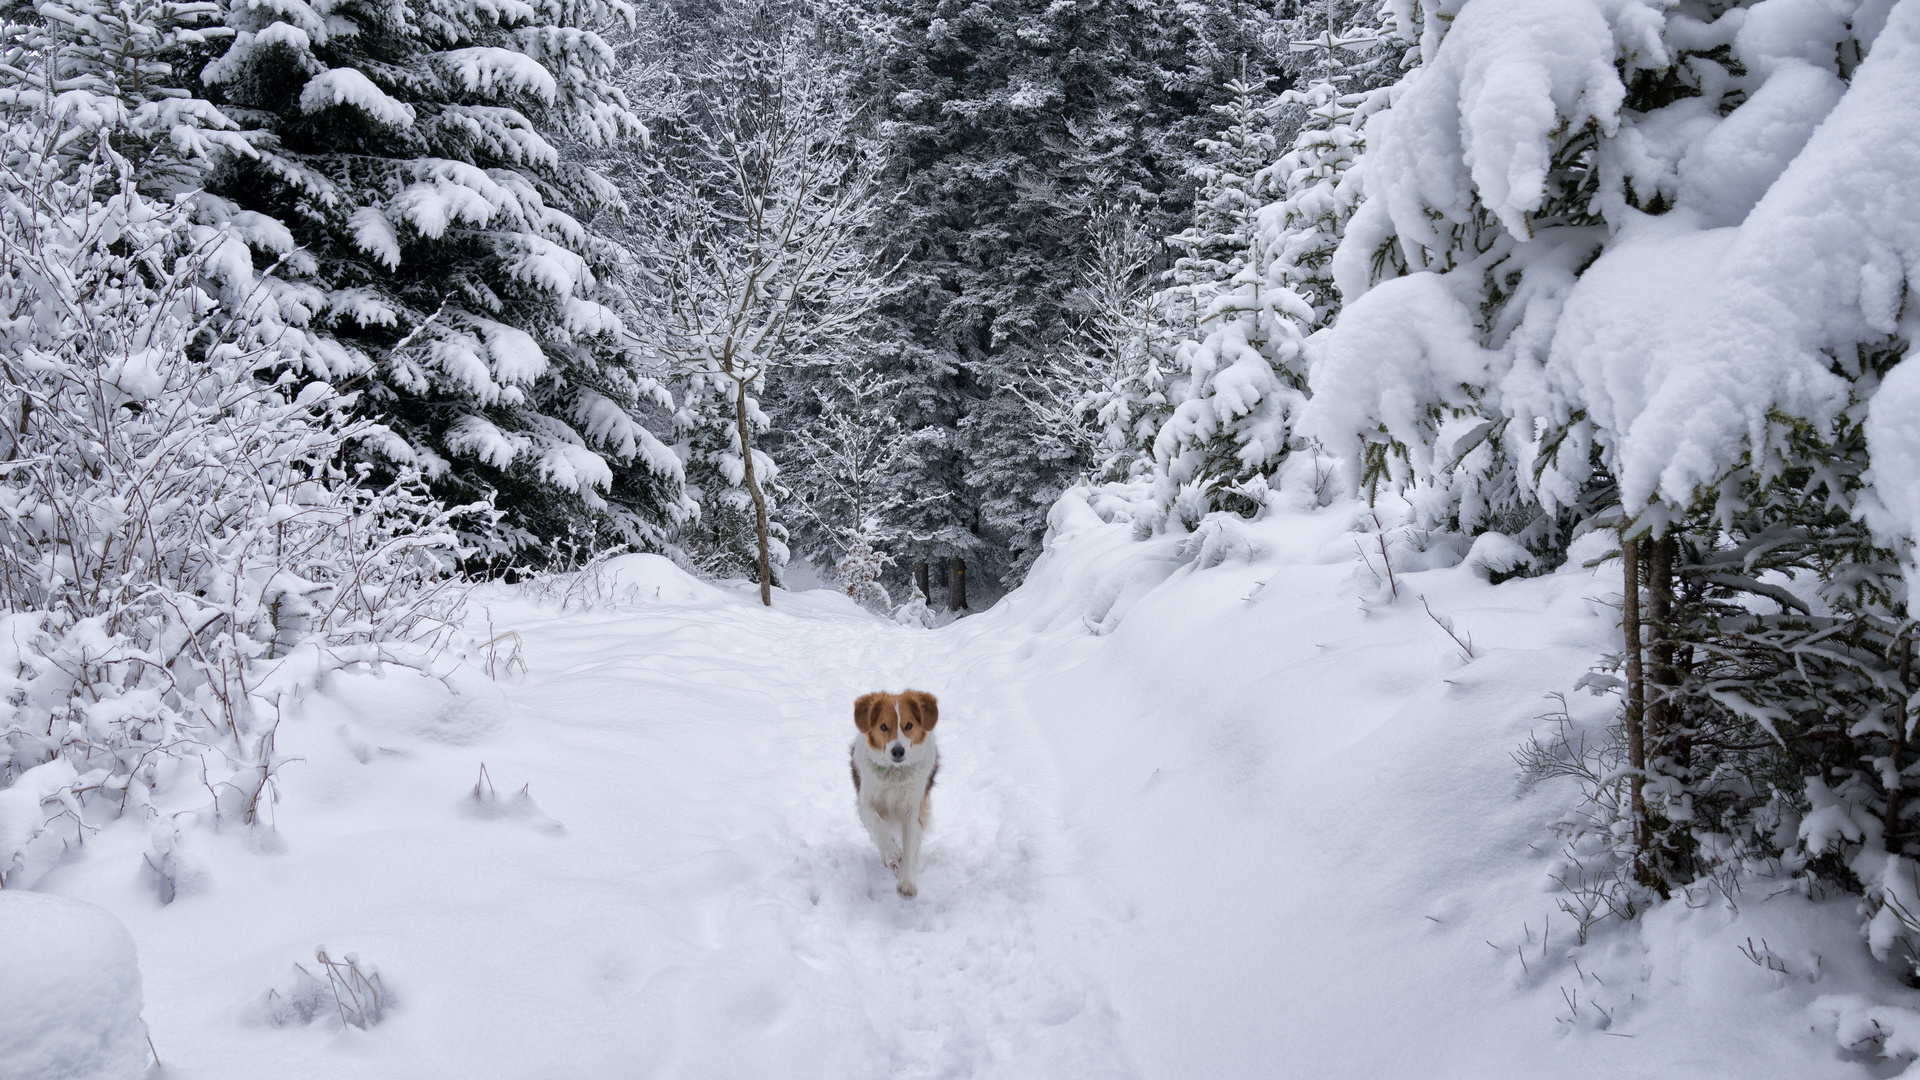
{"points": [[899, 752]]}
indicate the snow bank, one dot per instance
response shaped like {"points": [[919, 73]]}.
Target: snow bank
{"points": [[1296, 794], [69, 992], [1206, 802]]}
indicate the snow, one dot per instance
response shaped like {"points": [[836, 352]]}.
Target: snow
{"points": [[1197, 814], [1687, 339], [24, 813], [69, 992], [1482, 116], [1777, 32], [373, 234], [1405, 343], [517, 357], [477, 437], [493, 70], [350, 86], [1727, 171], [1893, 435], [455, 194]]}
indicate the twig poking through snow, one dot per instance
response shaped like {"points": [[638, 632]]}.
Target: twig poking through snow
{"points": [[1466, 647]]}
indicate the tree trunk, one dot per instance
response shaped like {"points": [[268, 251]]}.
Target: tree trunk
{"points": [[1660, 723], [920, 580], [957, 584], [1659, 634], [1636, 698], [753, 489], [1891, 818]]}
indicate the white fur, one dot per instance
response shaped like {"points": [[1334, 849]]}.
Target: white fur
{"points": [[890, 798]]}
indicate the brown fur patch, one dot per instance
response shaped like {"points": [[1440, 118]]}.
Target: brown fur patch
{"points": [[926, 797], [923, 707], [866, 710], [855, 770]]}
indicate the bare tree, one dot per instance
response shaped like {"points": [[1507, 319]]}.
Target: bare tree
{"points": [[752, 241], [1092, 394]]}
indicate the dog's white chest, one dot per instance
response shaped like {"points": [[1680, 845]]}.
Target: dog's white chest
{"points": [[894, 791]]}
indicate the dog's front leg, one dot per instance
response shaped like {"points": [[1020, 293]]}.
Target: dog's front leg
{"points": [[909, 855], [882, 835]]}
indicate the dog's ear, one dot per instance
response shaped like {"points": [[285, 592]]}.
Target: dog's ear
{"points": [[866, 710], [924, 706]]}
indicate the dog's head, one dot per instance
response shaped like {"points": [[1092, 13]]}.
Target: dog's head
{"points": [[896, 725]]}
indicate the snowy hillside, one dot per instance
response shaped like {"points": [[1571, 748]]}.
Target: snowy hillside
{"points": [[1207, 808]]}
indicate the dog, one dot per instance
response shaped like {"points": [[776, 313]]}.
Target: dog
{"points": [[894, 761]]}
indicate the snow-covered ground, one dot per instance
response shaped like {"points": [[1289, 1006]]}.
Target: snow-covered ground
{"points": [[1209, 806]]}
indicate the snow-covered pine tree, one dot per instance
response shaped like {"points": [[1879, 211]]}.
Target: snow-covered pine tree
{"points": [[1428, 362], [1657, 296], [415, 179], [125, 68], [755, 258], [1218, 246], [1234, 327], [1342, 67]]}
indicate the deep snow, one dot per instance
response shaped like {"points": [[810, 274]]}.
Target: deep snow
{"points": [[1214, 805]]}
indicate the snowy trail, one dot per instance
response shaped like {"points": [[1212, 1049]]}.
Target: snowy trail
{"points": [[1193, 820], [758, 707], [713, 899]]}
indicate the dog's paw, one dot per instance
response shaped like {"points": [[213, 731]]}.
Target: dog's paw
{"points": [[893, 863], [907, 890]]}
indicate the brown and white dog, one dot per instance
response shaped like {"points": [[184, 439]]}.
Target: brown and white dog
{"points": [[894, 761]]}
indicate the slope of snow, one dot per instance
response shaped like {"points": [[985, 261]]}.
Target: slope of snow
{"points": [[69, 992], [1214, 805]]}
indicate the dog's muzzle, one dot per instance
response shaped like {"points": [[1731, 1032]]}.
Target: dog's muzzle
{"points": [[899, 752]]}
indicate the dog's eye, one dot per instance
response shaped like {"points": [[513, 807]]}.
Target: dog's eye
{"points": [[906, 727]]}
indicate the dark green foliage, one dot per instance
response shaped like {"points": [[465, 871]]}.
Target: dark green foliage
{"points": [[416, 161], [1010, 126]]}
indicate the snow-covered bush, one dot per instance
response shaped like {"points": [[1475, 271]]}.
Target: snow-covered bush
{"points": [[915, 612], [180, 541], [346, 992]]}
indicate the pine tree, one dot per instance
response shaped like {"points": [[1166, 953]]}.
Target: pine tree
{"points": [[1233, 326], [411, 184], [125, 69], [1346, 70], [1010, 125], [1219, 244], [1100, 397]]}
